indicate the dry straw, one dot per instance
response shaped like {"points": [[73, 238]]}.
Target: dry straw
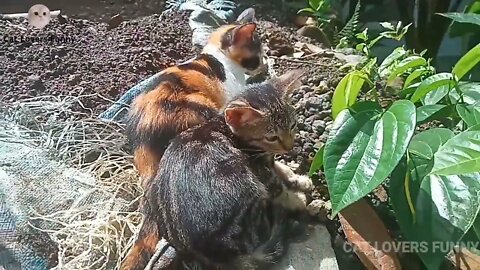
{"points": [[96, 234]]}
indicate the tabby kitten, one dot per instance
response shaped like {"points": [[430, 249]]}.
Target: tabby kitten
{"points": [[192, 92], [213, 195]]}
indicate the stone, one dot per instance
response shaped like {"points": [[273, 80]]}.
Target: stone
{"points": [[61, 19], [314, 32], [314, 102], [73, 79], [115, 21], [351, 59], [36, 82], [314, 252], [318, 125]]}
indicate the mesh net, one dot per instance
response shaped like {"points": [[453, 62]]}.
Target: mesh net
{"points": [[67, 187]]}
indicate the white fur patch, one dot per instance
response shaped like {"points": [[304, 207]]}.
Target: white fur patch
{"points": [[235, 74]]}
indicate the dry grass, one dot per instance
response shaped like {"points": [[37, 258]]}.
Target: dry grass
{"points": [[97, 234]]}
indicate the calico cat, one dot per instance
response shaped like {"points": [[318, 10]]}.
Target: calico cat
{"points": [[192, 92], [214, 194]]}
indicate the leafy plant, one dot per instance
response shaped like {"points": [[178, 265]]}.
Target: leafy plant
{"points": [[347, 35], [463, 17], [433, 172], [392, 32], [428, 28], [320, 9]]}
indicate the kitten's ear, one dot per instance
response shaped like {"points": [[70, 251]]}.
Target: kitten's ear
{"points": [[243, 33], [289, 81], [239, 114], [247, 16]]}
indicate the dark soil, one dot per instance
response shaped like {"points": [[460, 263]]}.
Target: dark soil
{"points": [[94, 61]]}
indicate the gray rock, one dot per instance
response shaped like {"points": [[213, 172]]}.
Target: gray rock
{"points": [[314, 102], [351, 59], [318, 125], [314, 253], [115, 21]]}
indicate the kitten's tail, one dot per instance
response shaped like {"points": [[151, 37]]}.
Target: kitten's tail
{"points": [[270, 252], [144, 247]]}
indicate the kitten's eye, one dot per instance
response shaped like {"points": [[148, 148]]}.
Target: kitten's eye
{"points": [[293, 126], [44, 13], [273, 138], [36, 13]]}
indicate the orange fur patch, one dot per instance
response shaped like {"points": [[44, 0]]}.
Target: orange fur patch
{"points": [[198, 89], [146, 161], [142, 247], [215, 38]]}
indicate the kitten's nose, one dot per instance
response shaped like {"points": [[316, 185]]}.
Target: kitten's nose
{"points": [[288, 143]]}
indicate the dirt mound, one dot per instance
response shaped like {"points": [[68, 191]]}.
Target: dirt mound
{"points": [[76, 56]]}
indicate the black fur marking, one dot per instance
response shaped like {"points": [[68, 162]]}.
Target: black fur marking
{"points": [[169, 77], [227, 39], [216, 67], [251, 63], [214, 71]]}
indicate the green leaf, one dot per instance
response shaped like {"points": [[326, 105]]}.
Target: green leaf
{"points": [[447, 206], [470, 114], [314, 4], [467, 62], [363, 148], [432, 209], [417, 73], [427, 143], [347, 91], [405, 64], [387, 25], [409, 90], [397, 53], [433, 97], [363, 35], [431, 83], [476, 226], [428, 113], [463, 17], [460, 155], [306, 10], [470, 90], [317, 162]]}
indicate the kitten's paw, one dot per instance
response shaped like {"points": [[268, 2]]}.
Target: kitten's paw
{"points": [[292, 200], [303, 183], [315, 207]]}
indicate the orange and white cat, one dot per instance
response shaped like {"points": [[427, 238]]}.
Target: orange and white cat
{"points": [[187, 92]]}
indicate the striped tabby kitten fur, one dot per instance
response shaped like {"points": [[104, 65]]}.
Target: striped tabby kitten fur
{"points": [[216, 193]]}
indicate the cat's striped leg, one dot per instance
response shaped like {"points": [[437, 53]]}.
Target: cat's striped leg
{"points": [[292, 180]]}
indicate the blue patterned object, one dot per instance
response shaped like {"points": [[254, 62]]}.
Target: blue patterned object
{"points": [[15, 254], [119, 109]]}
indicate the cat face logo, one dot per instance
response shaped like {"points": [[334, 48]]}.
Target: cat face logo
{"points": [[39, 16]]}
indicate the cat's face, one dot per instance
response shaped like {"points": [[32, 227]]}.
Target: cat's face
{"points": [[262, 117], [241, 43]]}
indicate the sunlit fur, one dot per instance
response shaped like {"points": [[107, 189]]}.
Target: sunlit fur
{"points": [[271, 126], [213, 194], [187, 93]]}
